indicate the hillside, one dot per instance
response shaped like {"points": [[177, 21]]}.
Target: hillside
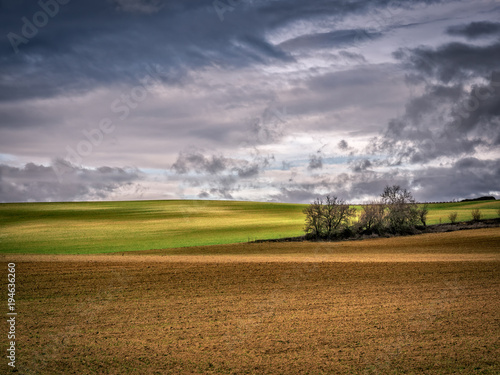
{"points": [[100, 227]]}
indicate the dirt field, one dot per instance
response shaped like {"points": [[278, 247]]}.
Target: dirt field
{"points": [[325, 309]]}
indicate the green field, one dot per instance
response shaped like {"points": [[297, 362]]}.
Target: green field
{"points": [[101, 227]]}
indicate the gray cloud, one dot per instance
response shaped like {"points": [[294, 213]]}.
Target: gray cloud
{"points": [[216, 175], [197, 162], [466, 178], [139, 6], [315, 162], [269, 127], [475, 30], [314, 72], [67, 56], [40, 183], [291, 195], [248, 171], [333, 39], [451, 62], [353, 187], [361, 165], [447, 119], [343, 145]]}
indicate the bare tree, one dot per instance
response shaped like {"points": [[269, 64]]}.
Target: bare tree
{"points": [[453, 217], [314, 218], [395, 212], [402, 210], [336, 215], [476, 214], [326, 219], [372, 217], [422, 214]]}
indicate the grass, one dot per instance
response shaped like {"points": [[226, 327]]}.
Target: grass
{"points": [[104, 227], [489, 210], [88, 228], [379, 306]]}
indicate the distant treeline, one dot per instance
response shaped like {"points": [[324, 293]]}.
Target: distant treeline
{"points": [[490, 198]]}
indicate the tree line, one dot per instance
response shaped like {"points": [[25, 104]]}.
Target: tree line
{"points": [[395, 212]]}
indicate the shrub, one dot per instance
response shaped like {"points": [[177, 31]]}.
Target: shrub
{"points": [[453, 217], [476, 214], [346, 232]]}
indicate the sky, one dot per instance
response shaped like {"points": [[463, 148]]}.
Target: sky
{"points": [[262, 100]]}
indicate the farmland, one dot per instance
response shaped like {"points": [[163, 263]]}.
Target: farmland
{"points": [[421, 304], [167, 289], [104, 227]]}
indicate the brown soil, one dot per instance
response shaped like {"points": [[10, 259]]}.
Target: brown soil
{"points": [[406, 309]]}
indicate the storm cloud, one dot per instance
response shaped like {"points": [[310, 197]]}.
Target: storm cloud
{"points": [[258, 100], [447, 119], [41, 183], [475, 30]]}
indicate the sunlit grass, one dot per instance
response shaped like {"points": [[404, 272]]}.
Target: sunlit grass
{"points": [[98, 227], [437, 211], [74, 228]]}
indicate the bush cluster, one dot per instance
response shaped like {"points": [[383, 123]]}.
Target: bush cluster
{"points": [[396, 212]]}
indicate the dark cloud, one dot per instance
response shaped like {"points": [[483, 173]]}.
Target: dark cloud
{"points": [[63, 182], [139, 6], [66, 55], [452, 62], [353, 187], [447, 119], [203, 195], [217, 175], [361, 165], [125, 39], [197, 162], [352, 57], [475, 30], [316, 70], [333, 39], [343, 145], [315, 162], [248, 171], [257, 48], [466, 178], [284, 12]]}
